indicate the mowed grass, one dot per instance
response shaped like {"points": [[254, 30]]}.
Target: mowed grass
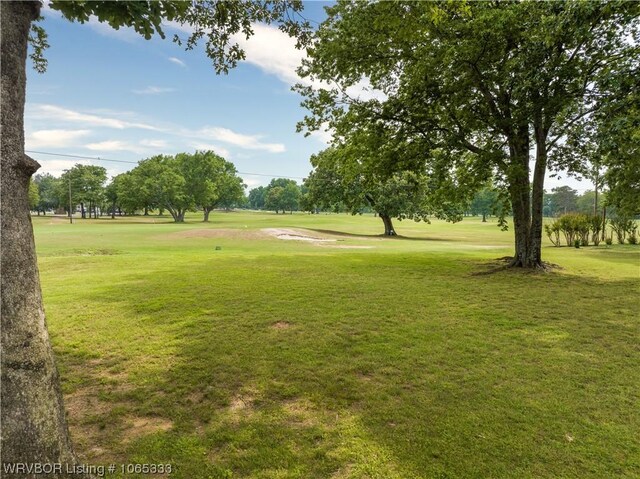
{"points": [[359, 358]]}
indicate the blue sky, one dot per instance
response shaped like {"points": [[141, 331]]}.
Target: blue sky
{"points": [[112, 94]]}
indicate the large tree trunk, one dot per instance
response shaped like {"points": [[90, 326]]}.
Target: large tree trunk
{"points": [[388, 225], [527, 221], [34, 429], [206, 214]]}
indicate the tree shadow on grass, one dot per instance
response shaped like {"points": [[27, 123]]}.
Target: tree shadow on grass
{"points": [[492, 376], [378, 236]]}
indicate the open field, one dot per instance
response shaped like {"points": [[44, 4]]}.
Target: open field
{"points": [[361, 357]]}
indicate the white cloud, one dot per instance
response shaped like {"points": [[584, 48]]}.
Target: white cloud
{"points": [[153, 90], [251, 182], [323, 135], [53, 138], [154, 143], [111, 145], [248, 142], [176, 137], [57, 113], [57, 166], [127, 34], [211, 147], [273, 51], [177, 61]]}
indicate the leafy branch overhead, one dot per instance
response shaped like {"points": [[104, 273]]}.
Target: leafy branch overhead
{"points": [[211, 22]]}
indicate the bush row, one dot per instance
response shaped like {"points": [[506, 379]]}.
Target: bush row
{"points": [[581, 230]]}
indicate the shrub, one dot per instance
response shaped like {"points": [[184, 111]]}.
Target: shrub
{"points": [[633, 233], [576, 227], [576, 243], [553, 232], [597, 225], [622, 226]]}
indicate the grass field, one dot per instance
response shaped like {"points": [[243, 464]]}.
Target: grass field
{"points": [[230, 353]]}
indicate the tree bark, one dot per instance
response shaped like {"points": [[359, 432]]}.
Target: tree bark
{"points": [[527, 221], [34, 428], [388, 225], [206, 215]]}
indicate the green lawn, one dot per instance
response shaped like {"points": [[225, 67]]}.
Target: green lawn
{"points": [[359, 358]]}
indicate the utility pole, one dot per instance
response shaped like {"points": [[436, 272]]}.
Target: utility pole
{"points": [[70, 212]]}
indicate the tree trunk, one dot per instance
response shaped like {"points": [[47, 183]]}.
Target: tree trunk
{"points": [[388, 225], [34, 428], [206, 214], [527, 222], [146, 211], [484, 217], [537, 198], [83, 213]]}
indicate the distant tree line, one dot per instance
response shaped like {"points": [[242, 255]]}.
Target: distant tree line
{"points": [[281, 194], [185, 182]]}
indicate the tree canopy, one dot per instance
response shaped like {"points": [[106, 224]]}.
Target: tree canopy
{"points": [[475, 87], [340, 179]]}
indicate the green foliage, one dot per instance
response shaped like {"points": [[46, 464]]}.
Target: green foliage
{"points": [[563, 200], [576, 227], [87, 186], [623, 226], [213, 22], [273, 199], [486, 202], [257, 198], [48, 189], [211, 180], [352, 177], [34, 195], [471, 87], [553, 232], [280, 194]]}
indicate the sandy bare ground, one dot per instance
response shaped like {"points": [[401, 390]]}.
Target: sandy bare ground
{"points": [[296, 235], [287, 234], [301, 235]]}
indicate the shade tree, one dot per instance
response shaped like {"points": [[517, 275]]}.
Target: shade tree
{"points": [[83, 185], [47, 187], [491, 86], [339, 179]]}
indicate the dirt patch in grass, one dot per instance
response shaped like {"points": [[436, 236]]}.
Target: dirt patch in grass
{"points": [[281, 325], [229, 233], [137, 427], [87, 418], [241, 406], [300, 413], [296, 235]]}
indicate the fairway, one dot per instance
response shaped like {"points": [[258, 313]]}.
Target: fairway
{"points": [[228, 352]]}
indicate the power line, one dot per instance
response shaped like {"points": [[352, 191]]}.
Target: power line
{"points": [[79, 157], [135, 163]]}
